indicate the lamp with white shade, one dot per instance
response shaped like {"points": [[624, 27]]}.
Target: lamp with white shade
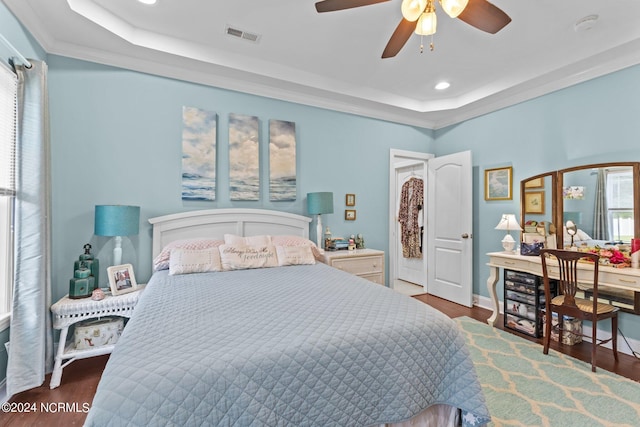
{"points": [[116, 221], [508, 222], [318, 204]]}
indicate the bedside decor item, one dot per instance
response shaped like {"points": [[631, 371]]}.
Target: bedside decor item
{"points": [[350, 200], [89, 261], [121, 279], [318, 204], [97, 294], [498, 183], [508, 222], [117, 221], [350, 214], [82, 283], [94, 333]]}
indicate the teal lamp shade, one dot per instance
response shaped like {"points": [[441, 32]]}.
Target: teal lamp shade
{"points": [[117, 221], [320, 203]]}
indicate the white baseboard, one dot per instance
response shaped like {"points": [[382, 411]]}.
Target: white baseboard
{"points": [[485, 302]]}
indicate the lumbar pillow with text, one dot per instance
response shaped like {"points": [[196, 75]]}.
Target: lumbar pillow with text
{"points": [[185, 261], [295, 255], [236, 257]]}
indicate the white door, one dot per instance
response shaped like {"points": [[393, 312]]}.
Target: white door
{"points": [[449, 224], [411, 270]]}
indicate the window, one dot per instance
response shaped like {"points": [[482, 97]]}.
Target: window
{"points": [[8, 109], [620, 204]]}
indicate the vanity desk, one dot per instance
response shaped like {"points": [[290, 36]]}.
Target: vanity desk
{"points": [[615, 278]]}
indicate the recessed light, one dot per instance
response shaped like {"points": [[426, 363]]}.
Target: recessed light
{"points": [[149, 2], [442, 85], [586, 23]]}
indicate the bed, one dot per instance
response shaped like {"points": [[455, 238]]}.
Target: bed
{"points": [[293, 345]]}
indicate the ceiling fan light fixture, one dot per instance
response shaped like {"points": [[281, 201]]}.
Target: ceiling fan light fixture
{"points": [[412, 9], [453, 8], [427, 24]]}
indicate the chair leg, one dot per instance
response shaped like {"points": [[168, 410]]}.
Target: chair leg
{"points": [[594, 344], [547, 334], [614, 336]]}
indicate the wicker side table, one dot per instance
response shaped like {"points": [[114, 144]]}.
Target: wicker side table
{"points": [[68, 311]]}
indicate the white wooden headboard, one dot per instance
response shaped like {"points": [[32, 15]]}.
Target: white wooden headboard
{"points": [[215, 223]]}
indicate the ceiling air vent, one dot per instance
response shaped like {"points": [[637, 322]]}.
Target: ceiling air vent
{"points": [[235, 32]]}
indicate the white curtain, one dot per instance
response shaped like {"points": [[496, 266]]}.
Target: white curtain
{"points": [[31, 339]]}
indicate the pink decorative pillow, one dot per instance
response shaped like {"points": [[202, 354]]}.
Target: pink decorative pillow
{"points": [[161, 262], [291, 240], [243, 257], [232, 239], [295, 255], [185, 261]]}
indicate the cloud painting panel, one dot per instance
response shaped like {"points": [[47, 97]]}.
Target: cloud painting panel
{"points": [[244, 157], [198, 154], [282, 160]]}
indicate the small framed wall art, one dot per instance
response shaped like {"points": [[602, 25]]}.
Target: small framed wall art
{"points": [[534, 202], [350, 200], [350, 214], [498, 183], [122, 279]]}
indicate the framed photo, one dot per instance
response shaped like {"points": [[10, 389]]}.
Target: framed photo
{"points": [[534, 202], [498, 183], [534, 183], [122, 279], [350, 200], [350, 215]]}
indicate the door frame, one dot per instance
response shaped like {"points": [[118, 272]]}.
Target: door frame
{"points": [[400, 158]]}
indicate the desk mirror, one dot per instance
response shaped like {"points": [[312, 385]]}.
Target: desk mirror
{"points": [[538, 210]]}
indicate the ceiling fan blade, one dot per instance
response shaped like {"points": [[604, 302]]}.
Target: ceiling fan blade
{"points": [[331, 5], [484, 16], [399, 38]]}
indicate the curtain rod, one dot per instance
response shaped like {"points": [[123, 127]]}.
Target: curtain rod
{"points": [[24, 60]]}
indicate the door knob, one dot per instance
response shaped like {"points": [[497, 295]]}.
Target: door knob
{"points": [[465, 235]]}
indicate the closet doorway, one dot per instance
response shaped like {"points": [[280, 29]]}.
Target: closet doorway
{"points": [[445, 223]]}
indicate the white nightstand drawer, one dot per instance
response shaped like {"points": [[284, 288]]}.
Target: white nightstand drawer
{"points": [[359, 265]]}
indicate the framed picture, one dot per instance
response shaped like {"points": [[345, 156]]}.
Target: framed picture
{"points": [[534, 183], [534, 202], [350, 200], [498, 183], [350, 215], [122, 279]]}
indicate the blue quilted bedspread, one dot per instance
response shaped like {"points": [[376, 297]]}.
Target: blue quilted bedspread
{"points": [[287, 346]]}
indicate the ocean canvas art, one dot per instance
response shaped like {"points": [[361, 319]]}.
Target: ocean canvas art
{"points": [[282, 160], [198, 154], [244, 157]]}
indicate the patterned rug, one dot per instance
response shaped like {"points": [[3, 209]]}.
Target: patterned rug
{"points": [[523, 387]]}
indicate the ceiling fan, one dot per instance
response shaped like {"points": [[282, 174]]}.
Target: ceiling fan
{"points": [[420, 16]]}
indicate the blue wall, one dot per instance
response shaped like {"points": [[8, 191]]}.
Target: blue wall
{"points": [[593, 122], [116, 138]]}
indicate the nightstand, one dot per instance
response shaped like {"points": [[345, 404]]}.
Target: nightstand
{"points": [[68, 311], [366, 263]]}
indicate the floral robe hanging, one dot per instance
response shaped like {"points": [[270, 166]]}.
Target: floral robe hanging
{"points": [[411, 203]]}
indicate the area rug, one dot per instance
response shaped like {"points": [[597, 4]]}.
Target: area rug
{"points": [[524, 387]]}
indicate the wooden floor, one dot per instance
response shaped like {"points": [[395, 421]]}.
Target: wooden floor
{"points": [[67, 405]]}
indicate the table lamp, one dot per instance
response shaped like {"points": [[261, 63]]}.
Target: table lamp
{"points": [[508, 222], [117, 221], [318, 204]]}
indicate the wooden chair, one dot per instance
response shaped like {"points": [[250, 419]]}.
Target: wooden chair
{"points": [[566, 303]]}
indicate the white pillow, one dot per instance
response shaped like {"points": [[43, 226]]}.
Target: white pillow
{"points": [[295, 255], [232, 239], [292, 240], [579, 236], [161, 262], [185, 261], [239, 257]]}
